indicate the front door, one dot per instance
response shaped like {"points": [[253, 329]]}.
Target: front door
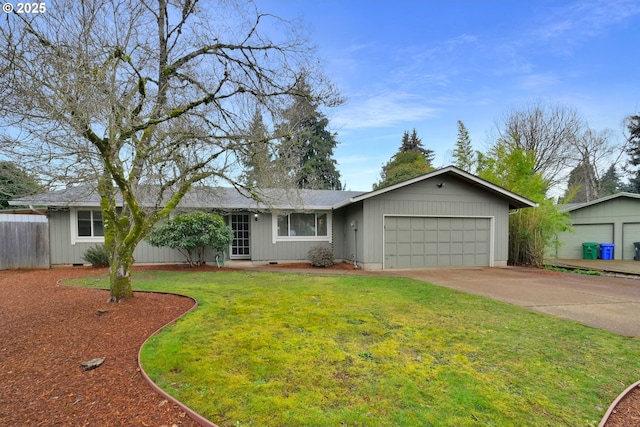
{"points": [[240, 225]]}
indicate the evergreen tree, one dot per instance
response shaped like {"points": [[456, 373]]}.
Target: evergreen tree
{"points": [[411, 142], [610, 182], [633, 150], [15, 182], [411, 160], [582, 185], [463, 155], [308, 144], [256, 155]]}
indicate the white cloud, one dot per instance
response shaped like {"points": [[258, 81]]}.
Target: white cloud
{"points": [[382, 110]]}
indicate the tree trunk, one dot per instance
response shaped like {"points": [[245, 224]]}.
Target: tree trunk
{"points": [[120, 267]]}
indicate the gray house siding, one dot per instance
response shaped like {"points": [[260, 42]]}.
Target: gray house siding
{"points": [[63, 252], [265, 250], [352, 240], [614, 221], [455, 198]]}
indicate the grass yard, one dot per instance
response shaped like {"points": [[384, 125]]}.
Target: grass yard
{"points": [[271, 349]]}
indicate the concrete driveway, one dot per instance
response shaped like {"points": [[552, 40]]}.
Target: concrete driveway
{"points": [[610, 303]]}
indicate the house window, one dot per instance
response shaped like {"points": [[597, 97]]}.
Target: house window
{"points": [[90, 224], [303, 226], [86, 226]]}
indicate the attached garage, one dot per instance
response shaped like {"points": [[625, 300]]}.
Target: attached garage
{"points": [[427, 242], [446, 218], [611, 219]]}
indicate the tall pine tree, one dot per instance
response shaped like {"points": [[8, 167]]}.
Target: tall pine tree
{"points": [[633, 150], [610, 182], [256, 155], [308, 145], [411, 142], [411, 160], [463, 156]]}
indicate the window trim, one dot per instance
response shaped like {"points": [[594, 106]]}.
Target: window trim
{"points": [[74, 226], [276, 238]]}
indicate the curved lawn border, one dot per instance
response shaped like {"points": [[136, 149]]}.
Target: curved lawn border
{"points": [[613, 405], [190, 412]]}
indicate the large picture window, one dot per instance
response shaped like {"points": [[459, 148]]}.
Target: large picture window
{"points": [[303, 226]]}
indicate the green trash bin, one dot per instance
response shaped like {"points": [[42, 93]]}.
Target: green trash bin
{"points": [[590, 250]]}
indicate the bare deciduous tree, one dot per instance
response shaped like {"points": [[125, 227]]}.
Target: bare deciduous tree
{"points": [[142, 100], [549, 131], [592, 152]]}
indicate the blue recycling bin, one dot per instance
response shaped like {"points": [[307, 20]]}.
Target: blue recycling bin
{"points": [[606, 251]]}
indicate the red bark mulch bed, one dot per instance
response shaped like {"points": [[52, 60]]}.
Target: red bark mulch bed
{"points": [[47, 331]]}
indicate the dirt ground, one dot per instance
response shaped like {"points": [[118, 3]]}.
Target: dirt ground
{"points": [[48, 330]]}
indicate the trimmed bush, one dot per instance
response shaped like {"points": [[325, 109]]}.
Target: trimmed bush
{"points": [[191, 233], [97, 256], [320, 256]]}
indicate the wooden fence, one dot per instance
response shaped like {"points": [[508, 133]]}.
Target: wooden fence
{"points": [[24, 242]]}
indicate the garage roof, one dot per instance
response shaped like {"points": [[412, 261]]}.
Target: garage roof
{"points": [[575, 206], [515, 201]]}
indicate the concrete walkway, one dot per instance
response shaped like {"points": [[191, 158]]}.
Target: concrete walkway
{"points": [[607, 302]]}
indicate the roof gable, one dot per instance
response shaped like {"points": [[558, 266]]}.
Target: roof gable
{"points": [[576, 206], [515, 200]]}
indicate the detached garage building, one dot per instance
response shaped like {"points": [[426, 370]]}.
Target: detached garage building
{"points": [[446, 218], [611, 219]]}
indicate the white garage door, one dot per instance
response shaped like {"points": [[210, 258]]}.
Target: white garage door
{"points": [[424, 242], [571, 243]]}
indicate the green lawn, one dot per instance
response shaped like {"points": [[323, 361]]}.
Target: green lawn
{"points": [[269, 349]]}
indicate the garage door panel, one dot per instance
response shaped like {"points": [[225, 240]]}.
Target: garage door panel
{"points": [[404, 249], [404, 224], [444, 235], [457, 247], [422, 242], [417, 236]]}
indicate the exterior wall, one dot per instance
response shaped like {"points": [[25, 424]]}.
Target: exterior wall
{"points": [[622, 214], [454, 198], [65, 253], [265, 250], [351, 239]]}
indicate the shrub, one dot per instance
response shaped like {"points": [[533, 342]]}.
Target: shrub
{"points": [[191, 233], [97, 256], [320, 256]]}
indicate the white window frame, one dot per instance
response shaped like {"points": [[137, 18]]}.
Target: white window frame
{"points": [[74, 227], [327, 238]]}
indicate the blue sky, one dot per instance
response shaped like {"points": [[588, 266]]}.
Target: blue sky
{"points": [[427, 64]]}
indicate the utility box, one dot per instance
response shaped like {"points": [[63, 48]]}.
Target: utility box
{"points": [[590, 250], [606, 251], [637, 246]]}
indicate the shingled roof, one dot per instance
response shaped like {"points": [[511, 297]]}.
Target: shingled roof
{"points": [[205, 197]]}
